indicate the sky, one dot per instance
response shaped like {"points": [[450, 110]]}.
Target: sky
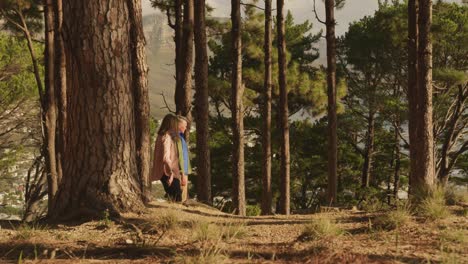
{"points": [[303, 10]]}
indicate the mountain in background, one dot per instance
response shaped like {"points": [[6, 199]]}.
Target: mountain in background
{"points": [[160, 54]]}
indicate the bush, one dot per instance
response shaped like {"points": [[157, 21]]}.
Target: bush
{"points": [[253, 210]]}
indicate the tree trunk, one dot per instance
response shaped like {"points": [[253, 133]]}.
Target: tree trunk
{"points": [[397, 158], [141, 97], [184, 95], [60, 87], [179, 56], [422, 166], [331, 94], [100, 162], [201, 105], [237, 111], [266, 139], [284, 126], [369, 151], [49, 106]]}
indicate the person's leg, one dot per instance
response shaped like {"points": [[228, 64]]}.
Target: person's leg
{"points": [[185, 192], [165, 184], [176, 190]]}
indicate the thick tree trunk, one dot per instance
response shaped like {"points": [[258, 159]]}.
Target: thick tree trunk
{"points": [[368, 151], [140, 92], [266, 133], [201, 105], [284, 126], [49, 106], [331, 93], [422, 166], [100, 162], [237, 111]]}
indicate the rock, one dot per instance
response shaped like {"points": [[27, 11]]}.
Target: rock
{"points": [[128, 241]]}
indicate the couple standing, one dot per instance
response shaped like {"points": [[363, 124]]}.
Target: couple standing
{"points": [[171, 162]]}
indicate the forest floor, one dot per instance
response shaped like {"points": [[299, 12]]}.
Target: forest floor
{"points": [[195, 233]]}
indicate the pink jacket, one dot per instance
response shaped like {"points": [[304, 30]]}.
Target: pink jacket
{"points": [[165, 158]]}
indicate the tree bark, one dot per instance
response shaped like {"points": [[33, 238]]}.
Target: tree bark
{"points": [[201, 105], [179, 56], [331, 94], [284, 126], [140, 91], [397, 158], [368, 151], [49, 105], [266, 133], [413, 6], [60, 87], [100, 162], [184, 95], [422, 166], [237, 111]]}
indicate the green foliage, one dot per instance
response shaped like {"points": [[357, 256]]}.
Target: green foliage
{"points": [[10, 210], [253, 210], [18, 112], [105, 222], [13, 10]]}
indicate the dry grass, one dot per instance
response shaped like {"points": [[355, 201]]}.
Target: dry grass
{"points": [[433, 207], [394, 219], [321, 228]]}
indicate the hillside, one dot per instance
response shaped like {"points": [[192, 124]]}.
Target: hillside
{"points": [[160, 52], [194, 233]]}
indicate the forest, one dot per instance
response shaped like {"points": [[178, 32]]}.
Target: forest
{"points": [[355, 153]]}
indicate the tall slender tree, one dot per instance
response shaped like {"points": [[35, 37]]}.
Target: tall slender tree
{"points": [[237, 110], [266, 133], [100, 168], [202, 104], [49, 104], [412, 81], [183, 94], [331, 93], [60, 86], [284, 206], [423, 170]]}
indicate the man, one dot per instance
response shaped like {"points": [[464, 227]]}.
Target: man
{"points": [[184, 158]]}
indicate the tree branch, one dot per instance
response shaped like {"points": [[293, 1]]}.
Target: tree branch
{"points": [[166, 104], [317, 17]]}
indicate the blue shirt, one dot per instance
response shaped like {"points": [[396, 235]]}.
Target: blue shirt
{"points": [[184, 152]]}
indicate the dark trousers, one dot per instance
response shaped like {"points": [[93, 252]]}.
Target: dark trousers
{"points": [[174, 192]]}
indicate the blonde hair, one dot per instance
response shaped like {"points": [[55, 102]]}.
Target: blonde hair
{"points": [[168, 124], [182, 118]]}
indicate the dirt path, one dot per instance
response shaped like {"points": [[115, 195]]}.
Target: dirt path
{"points": [[174, 233]]}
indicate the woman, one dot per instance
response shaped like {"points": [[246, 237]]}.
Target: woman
{"points": [[166, 160]]}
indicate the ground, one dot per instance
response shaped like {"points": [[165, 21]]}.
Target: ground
{"points": [[194, 233]]}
